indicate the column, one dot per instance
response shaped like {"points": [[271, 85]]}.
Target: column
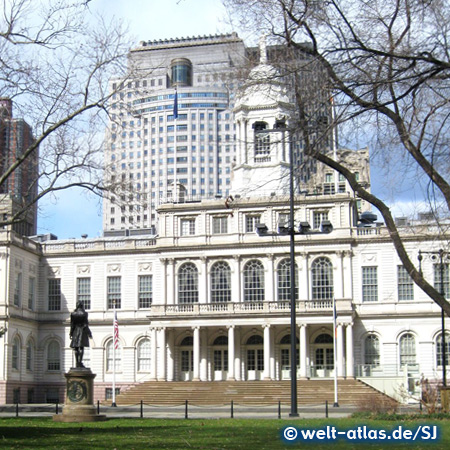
{"points": [[270, 280], [153, 354], [237, 367], [203, 356], [230, 375], [266, 351], [170, 356], [196, 349], [203, 281], [340, 350], [349, 351], [303, 351], [162, 354], [171, 282], [339, 282], [236, 280], [164, 299]]}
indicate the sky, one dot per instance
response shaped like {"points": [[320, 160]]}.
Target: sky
{"points": [[73, 213]]}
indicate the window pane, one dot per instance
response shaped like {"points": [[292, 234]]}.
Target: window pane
{"points": [[54, 294], [53, 356], [369, 284], [114, 292], [407, 349], [188, 283], [145, 291], [372, 350], [322, 279], [284, 280], [253, 281], [405, 284], [84, 292], [220, 282]]}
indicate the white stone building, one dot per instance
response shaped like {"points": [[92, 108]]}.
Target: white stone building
{"points": [[208, 299]]}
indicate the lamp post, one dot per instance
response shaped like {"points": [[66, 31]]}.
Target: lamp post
{"points": [[304, 228], [439, 253]]}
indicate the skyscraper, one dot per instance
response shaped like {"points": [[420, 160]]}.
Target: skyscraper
{"points": [[19, 190], [156, 153], [172, 134]]}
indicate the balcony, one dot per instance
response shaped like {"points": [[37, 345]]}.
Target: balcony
{"points": [[251, 308]]}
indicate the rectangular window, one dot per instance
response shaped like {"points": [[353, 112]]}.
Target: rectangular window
{"points": [[445, 285], [31, 292], [84, 292], [251, 220], [318, 218], [405, 284], [109, 392], [114, 292], [220, 225], [369, 284], [54, 294], [145, 291], [187, 227], [18, 289]]}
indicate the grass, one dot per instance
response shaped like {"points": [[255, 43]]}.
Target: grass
{"points": [[213, 434]]}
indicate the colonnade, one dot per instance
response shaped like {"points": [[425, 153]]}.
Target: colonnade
{"points": [[165, 345]]}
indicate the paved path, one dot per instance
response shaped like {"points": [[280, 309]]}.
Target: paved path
{"points": [[194, 412]]}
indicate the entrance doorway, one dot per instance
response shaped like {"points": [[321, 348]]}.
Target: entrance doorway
{"points": [[220, 355], [187, 359], [323, 356]]}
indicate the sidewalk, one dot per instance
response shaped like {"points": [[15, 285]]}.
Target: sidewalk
{"points": [[195, 412]]}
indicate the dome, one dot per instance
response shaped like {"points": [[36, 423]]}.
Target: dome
{"points": [[264, 86]]}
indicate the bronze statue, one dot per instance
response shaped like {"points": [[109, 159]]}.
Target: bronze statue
{"points": [[79, 332]]}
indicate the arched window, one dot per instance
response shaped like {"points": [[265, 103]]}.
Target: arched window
{"points": [[220, 282], [188, 283], [253, 281], [407, 349], [322, 279], [323, 338], [439, 349], [188, 341], [16, 353], [284, 280], [110, 357], [287, 340], [143, 355], [30, 355], [53, 356], [372, 350], [255, 339], [221, 340]]}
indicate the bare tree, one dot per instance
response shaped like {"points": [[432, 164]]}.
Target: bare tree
{"points": [[55, 62], [388, 65]]}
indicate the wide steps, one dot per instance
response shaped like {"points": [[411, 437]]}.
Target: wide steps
{"points": [[310, 392]]}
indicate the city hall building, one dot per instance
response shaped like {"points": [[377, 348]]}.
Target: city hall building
{"points": [[207, 298]]}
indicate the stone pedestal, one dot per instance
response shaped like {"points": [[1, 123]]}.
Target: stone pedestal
{"points": [[79, 406]]}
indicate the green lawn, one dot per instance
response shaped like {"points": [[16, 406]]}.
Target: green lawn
{"points": [[35, 433]]}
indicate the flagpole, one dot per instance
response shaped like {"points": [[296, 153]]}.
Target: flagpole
{"points": [[336, 403], [114, 359]]}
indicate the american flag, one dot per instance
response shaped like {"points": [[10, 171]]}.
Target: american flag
{"points": [[116, 331]]}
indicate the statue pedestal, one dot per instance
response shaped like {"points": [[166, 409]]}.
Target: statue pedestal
{"points": [[79, 406]]}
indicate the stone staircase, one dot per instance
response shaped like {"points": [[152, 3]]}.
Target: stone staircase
{"points": [[201, 393]]}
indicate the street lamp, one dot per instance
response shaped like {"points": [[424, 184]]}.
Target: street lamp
{"points": [[304, 229], [434, 255]]}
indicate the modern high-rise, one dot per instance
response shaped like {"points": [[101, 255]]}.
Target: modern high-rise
{"points": [[19, 190], [155, 154]]}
